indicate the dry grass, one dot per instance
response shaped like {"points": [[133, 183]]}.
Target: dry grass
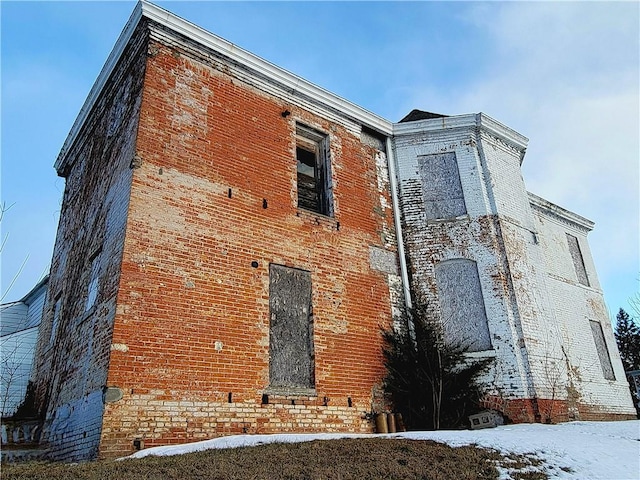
{"points": [[524, 467], [327, 460]]}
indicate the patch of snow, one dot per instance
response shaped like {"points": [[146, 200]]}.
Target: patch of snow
{"points": [[592, 450]]}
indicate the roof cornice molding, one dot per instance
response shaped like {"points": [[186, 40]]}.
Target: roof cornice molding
{"points": [[463, 122], [560, 214], [294, 83]]}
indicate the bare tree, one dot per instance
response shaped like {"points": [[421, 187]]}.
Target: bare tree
{"points": [[14, 353], [634, 301], [3, 209], [13, 373]]}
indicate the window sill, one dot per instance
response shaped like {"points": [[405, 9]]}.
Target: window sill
{"points": [[290, 392], [431, 221], [87, 314], [575, 283], [318, 218], [481, 354]]}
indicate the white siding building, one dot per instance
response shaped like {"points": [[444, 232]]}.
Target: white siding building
{"points": [[18, 336]]}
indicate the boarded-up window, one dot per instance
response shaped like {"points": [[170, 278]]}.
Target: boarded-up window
{"points": [[461, 304], [315, 190], [291, 354], [603, 351], [56, 320], [578, 261], [441, 188], [94, 281]]}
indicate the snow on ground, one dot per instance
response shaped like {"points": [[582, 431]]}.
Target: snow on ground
{"points": [[592, 450]]}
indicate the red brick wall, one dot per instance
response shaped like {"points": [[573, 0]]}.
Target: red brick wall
{"points": [[545, 410], [187, 279]]}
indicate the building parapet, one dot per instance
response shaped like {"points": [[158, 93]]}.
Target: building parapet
{"points": [[473, 120], [295, 84]]}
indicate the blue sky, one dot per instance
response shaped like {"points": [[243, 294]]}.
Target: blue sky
{"points": [[566, 75]]}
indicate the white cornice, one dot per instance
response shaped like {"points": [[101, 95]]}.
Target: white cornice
{"points": [[473, 120], [561, 214], [293, 83]]}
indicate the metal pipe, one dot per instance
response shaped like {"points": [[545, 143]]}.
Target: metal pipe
{"points": [[393, 182]]}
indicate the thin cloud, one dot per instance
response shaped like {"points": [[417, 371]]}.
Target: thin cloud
{"points": [[563, 74], [566, 76]]}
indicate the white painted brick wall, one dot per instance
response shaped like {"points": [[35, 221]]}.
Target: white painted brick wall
{"points": [[574, 305], [475, 236], [538, 314]]}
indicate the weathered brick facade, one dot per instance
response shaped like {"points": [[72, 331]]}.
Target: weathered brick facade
{"points": [[73, 353], [182, 182], [213, 193], [184, 178], [536, 307]]}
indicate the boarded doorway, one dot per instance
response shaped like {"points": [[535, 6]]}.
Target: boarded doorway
{"points": [[291, 354]]}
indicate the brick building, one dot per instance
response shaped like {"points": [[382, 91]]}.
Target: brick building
{"points": [[232, 237], [507, 272]]}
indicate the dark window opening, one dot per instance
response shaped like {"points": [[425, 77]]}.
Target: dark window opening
{"points": [[307, 180], [313, 171]]}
